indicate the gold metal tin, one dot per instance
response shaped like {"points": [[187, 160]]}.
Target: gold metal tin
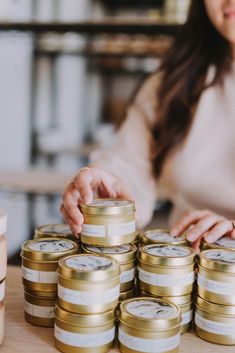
{"points": [[88, 283], [84, 333], [40, 262], [222, 243], [166, 270], [216, 276], [41, 294], [127, 295], [109, 222], [125, 255], [56, 230], [39, 311], [148, 325], [215, 323], [162, 236]]}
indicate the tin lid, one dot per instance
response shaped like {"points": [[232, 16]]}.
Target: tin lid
{"points": [[228, 310], [41, 294], [48, 249], [107, 207], [167, 255], [222, 243], [162, 236], [222, 260], [88, 267], [3, 221], [91, 320], [180, 300], [53, 230], [122, 253], [127, 294], [149, 313]]}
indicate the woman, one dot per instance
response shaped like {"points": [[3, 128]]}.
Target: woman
{"points": [[179, 133]]}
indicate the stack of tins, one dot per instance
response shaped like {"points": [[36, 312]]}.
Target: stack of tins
{"points": [[167, 271], [3, 269], [39, 270], [88, 294], [54, 231], [215, 309], [149, 325]]}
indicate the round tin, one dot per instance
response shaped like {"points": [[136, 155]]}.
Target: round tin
{"points": [[40, 262], [84, 333], [56, 230], [127, 295], [125, 255], [88, 284], [39, 311], [166, 270], [109, 222], [215, 323], [2, 314], [222, 243], [162, 236], [149, 325], [216, 276]]}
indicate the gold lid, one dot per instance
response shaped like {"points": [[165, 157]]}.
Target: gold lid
{"points": [[222, 260], [149, 314], [218, 309], [127, 294], [48, 249], [167, 255], [180, 300], [222, 243], [91, 320], [122, 253], [41, 294], [88, 267], [162, 236], [56, 230], [108, 207]]}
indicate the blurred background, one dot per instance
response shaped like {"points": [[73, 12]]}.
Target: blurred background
{"points": [[68, 70]]}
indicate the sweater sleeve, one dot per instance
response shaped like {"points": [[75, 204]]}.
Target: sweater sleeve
{"points": [[129, 156]]}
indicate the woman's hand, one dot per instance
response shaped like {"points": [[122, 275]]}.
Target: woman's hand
{"points": [[199, 224], [80, 190]]}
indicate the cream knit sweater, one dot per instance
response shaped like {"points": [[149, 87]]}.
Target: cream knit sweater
{"points": [[200, 174]]}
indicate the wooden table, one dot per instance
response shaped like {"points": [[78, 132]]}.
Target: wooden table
{"points": [[21, 337]]}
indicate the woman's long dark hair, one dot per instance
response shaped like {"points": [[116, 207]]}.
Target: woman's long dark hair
{"points": [[183, 72]]}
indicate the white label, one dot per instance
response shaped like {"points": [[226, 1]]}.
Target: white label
{"points": [[148, 345], [223, 288], [89, 263], [186, 317], [167, 250], [177, 280], [164, 237], [127, 276], [221, 256], [39, 276], [226, 242], [2, 290], [109, 203], [110, 250], [84, 340], [121, 229], [45, 312], [151, 309], [51, 246], [88, 298], [218, 328], [91, 230]]}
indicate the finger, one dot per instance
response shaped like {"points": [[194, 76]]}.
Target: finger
{"points": [[233, 234], [83, 183], [187, 220], [203, 225], [70, 203], [196, 245], [74, 228], [218, 231]]}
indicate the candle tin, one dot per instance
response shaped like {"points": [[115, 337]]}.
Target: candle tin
{"points": [[39, 311], [149, 325], [162, 236], [215, 323], [56, 230], [88, 284], [108, 222], [40, 262], [166, 270], [125, 255], [84, 333], [222, 243], [216, 276]]}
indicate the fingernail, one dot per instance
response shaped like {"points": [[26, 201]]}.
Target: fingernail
{"points": [[209, 238], [192, 236]]}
